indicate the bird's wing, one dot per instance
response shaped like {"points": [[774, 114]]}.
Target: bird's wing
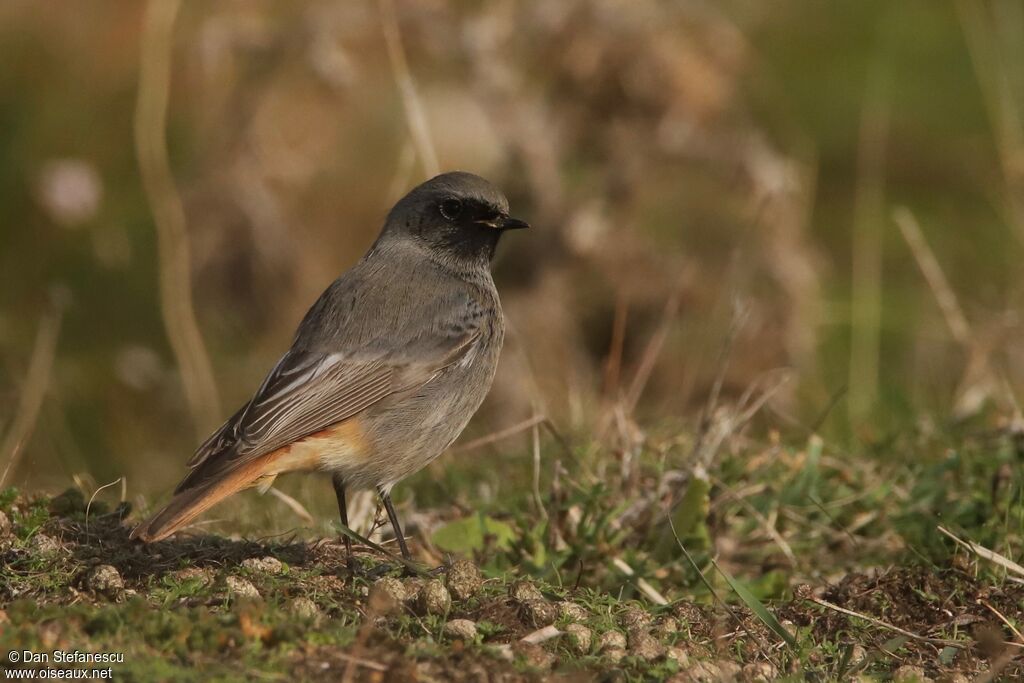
{"points": [[309, 391]]}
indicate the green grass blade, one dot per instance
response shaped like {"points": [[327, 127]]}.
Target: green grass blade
{"points": [[757, 607]]}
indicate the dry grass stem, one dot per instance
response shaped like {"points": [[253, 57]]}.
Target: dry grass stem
{"points": [[541, 635], [768, 527], [993, 71], [37, 381], [169, 214], [88, 507], [294, 505], [613, 364], [415, 115], [933, 273], [500, 435], [878, 622], [983, 552], [653, 350], [646, 588]]}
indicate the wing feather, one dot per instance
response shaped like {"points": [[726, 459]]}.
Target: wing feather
{"points": [[307, 392]]}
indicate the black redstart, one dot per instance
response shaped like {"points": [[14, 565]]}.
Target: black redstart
{"points": [[386, 368]]}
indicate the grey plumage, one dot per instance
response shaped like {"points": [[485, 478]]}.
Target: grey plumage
{"points": [[394, 357]]}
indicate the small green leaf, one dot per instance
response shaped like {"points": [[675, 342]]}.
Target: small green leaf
{"points": [[473, 533]]}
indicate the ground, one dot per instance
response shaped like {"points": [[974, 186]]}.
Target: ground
{"points": [[871, 587]]}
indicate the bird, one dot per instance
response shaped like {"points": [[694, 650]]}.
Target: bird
{"points": [[385, 370]]}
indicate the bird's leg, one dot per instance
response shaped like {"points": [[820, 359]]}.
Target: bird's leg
{"points": [[339, 491], [386, 499]]}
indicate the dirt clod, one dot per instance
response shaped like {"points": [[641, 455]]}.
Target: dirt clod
{"points": [[204, 577], [524, 591], [611, 640], [434, 598], [264, 565], [760, 671], [106, 580], [644, 645], [571, 611], [538, 613], [534, 656], [393, 588], [665, 627], [67, 503], [579, 638], [240, 588], [44, 545], [464, 580], [463, 629], [910, 674], [413, 586], [634, 617], [305, 610]]}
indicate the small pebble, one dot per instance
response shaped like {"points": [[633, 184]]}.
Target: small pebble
{"points": [[523, 591], [571, 611], [579, 638], [538, 613], [462, 629], [266, 565], [464, 580], [611, 640], [305, 609], [105, 579], [678, 655], [240, 588], [434, 598]]}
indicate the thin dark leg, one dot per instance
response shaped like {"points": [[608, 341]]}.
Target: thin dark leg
{"points": [[386, 498], [339, 491]]}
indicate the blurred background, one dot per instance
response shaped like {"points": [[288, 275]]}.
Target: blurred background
{"points": [[817, 207]]}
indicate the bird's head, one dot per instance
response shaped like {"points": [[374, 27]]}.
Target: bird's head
{"points": [[457, 216]]}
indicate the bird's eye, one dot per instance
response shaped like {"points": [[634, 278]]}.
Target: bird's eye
{"points": [[451, 208]]}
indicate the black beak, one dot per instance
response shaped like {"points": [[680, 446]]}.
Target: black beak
{"points": [[512, 224]]}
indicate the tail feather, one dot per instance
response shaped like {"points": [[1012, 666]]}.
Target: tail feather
{"points": [[189, 503]]}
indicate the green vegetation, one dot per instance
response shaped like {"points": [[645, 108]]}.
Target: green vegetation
{"points": [[841, 554]]}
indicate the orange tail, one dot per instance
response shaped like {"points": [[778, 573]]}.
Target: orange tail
{"points": [[192, 502]]}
